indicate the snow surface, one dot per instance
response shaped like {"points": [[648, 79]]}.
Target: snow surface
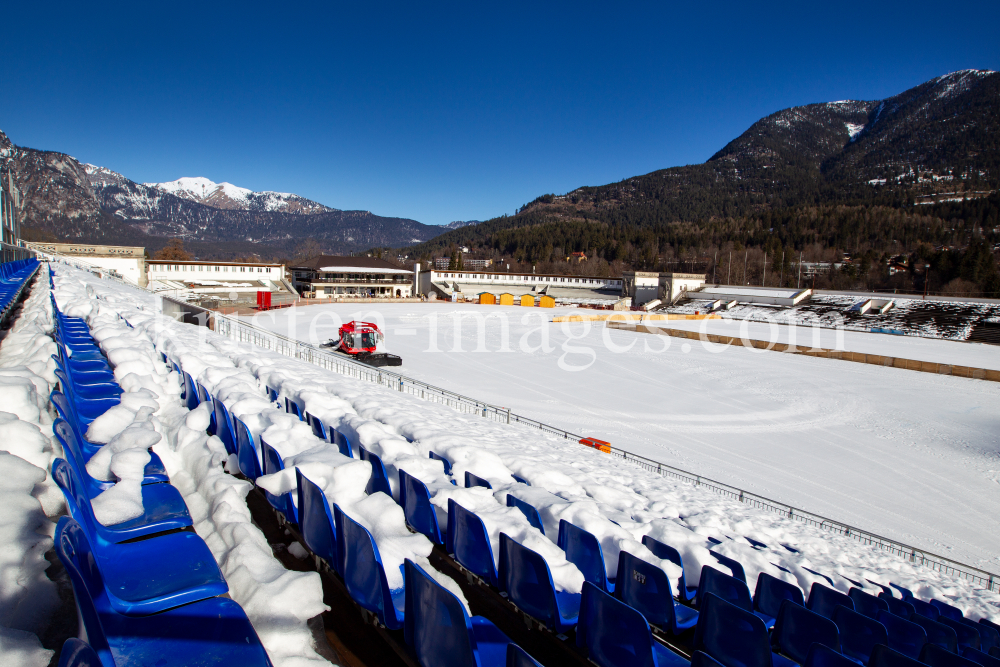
{"points": [[909, 455], [854, 130], [199, 188]]}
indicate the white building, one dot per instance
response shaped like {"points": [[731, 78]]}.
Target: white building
{"points": [[444, 284], [645, 286], [224, 281], [127, 262], [331, 277]]}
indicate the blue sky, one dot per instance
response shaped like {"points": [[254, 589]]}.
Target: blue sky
{"points": [[448, 111]]}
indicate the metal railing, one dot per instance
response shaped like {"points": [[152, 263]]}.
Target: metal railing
{"points": [[240, 331]]}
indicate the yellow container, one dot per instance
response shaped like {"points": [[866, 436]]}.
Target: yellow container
{"points": [[507, 299], [527, 300], [487, 298], [546, 302]]}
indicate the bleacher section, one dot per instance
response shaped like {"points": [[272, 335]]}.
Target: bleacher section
{"points": [[14, 277], [149, 586]]}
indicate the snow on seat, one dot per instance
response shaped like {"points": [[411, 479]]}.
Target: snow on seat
{"points": [[526, 578], [469, 543], [663, 551], [282, 503], [246, 451], [379, 481], [796, 629], [583, 550], [530, 513], [316, 521], [646, 588], [364, 574], [417, 508]]}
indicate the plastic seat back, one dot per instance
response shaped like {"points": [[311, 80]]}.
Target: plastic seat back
{"points": [[78, 653], [437, 626], [379, 481], [797, 628], [858, 633], [866, 603], [898, 607], [74, 550], [726, 587], [342, 443], [645, 588], [529, 512], [979, 657], [272, 395], [205, 397], [612, 632], [938, 634], [905, 637], [771, 592], [224, 426], [824, 600], [525, 577], [667, 552], [469, 541], [936, 656], [966, 635], [990, 635], [291, 407], [417, 507], [884, 656], [362, 569], [925, 608], [316, 520], [947, 610], [518, 657], [583, 550], [246, 451], [731, 635], [191, 398], [475, 480], [318, 427], [272, 464], [905, 592], [734, 565], [443, 460]]}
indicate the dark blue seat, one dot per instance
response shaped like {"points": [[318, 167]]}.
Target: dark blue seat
{"points": [[205, 397], [224, 426], [291, 407], [770, 593], [379, 481], [734, 565], [583, 550], [191, 397], [938, 634], [866, 603], [905, 592], [77, 653], [529, 512], [283, 504], [616, 635], [796, 629], [518, 657], [316, 521], [966, 635], [360, 563], [417, 508], [520, 480], [246, 451], [342, 443], [900, 608], [646, 588], [904, 636], [439, 630], [824, 600], [475, 480], [443, 460], [148, 576], [667, 552], [525, 577], [726, 587], [469, 542], [318, 427], [989, 634], [977, 656], [733, 636], [924, 608], [947, 610], [272, 394], [858, 633], [884, 656], [211, 631], [936, 656], [702, 659]]}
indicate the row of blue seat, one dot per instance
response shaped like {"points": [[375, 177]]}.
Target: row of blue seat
{"points": [[148, 587], [14, 277]]}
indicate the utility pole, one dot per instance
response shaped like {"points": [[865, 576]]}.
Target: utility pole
{"points": [[927, 275], [763, 276], [782, 278], [745, 258], [798, 285], [715, 263], [729, 268]]}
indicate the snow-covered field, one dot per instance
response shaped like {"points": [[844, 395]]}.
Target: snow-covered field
{"points": [[912, 456]]}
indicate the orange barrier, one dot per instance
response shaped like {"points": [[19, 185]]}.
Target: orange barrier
{"points": [[597, 444]]}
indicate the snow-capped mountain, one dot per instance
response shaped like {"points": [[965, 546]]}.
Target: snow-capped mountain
{"points": [[232, 197]]}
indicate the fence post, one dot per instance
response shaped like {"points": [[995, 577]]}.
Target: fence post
{"points": [[508, 415], [741, 495]]}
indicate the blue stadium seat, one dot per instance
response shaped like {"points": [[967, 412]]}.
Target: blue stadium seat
{"points": [[866, 603], [904, 636], [529, 512], [925, 609], [646, 588], [525, 577], [343, 444], [966, 635], [989, 634], [977, 656], [884, 656], [224, 426], [858, 633], [518, 657], [905, 592], [521, 480], [360, 563], [77, 653], [417, 508], [443, 460], [316, 521], [824, 600], [469, 542], [292, 408], [667, 552], [936, 656], [272, 394], [149, 576], [215, 630], [616, 635], [583, 550], [702, 659], [734, 565], [947, 610], [796, 629], [205, 397], [318, 427], [733, 636], [900, 608], [283, 504], [726, 587], [191, 398], [938, 634], [439, 630], [246, 451], [770, 593], [474, 480], [379, 481]]}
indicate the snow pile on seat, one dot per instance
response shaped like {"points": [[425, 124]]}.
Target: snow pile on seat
{"points": [[27, 492], [278, 602], [613, 499]]}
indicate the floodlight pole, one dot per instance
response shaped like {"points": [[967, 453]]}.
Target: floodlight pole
{"points": [[798, 285], [763, 276]]}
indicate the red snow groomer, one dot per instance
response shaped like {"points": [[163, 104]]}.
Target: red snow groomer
{"points": [[358, 340]]}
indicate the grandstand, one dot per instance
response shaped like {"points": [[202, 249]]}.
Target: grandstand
{"points": [[418, 531]]}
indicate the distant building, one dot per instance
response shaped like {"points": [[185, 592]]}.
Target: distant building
{"points": [[217, 281], [467, 283], [329, 277], [645, 286], [442, 262], [126, 262], [476, 264], [577, 256]]}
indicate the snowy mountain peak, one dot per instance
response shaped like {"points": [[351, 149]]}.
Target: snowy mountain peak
{"points": [[232, 197]]}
